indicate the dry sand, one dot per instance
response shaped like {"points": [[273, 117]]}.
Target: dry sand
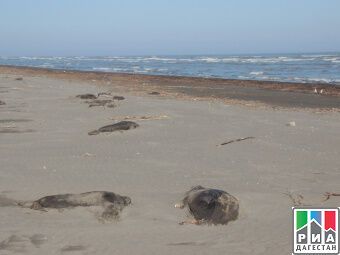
{"points": [[45, 149]]}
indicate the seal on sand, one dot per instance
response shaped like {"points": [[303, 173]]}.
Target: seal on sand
{"points": [[2, 102], [119, 98], [111, 202], [123, 125], [87, 96], [211, 206]]}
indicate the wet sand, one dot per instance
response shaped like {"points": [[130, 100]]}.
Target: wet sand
{"points": [[45, 149]]}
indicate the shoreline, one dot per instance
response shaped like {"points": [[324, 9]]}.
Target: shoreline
{"points": [[275, 94]]}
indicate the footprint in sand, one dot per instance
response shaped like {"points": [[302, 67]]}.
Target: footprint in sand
{"points": [[73, 248], [20, 243]]}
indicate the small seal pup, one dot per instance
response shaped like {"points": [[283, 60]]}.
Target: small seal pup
{"points": [[211, 206], [120, 126], [112, 203]]}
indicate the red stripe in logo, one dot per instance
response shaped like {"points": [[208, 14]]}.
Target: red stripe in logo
{"points": [[330, 220]]}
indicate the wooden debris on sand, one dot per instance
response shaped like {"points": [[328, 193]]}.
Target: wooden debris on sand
{"points": [[236, 140], [328, 195], [159, 117]]}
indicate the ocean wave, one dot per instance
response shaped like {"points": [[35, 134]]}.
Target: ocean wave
{"points": [[256, 73], [307, 68], [105, 69]]}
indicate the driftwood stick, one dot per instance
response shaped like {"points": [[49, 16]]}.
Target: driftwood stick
{"points": [[160, 117], [237, 140], [328, 195]]}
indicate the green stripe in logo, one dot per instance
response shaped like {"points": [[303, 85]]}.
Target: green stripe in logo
{"points": [[301, 219]]}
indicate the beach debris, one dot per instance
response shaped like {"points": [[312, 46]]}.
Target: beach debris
{"points": [[297, 199], [154, 93], [87, 96], [159, 117], [19, 79], [120, 126], [209, 206], [236, 140], [112, 203], [291, 124], [88, 155], [328, 195], [316, 91], [119, 98], [189, 243], [2, 102]]}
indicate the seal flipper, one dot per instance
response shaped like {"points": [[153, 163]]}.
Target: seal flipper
{"points": [[31, 205]]}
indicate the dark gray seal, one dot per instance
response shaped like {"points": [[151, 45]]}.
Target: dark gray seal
{"points": [[120, 126], [112, 203], [155, 93], [119, 98], [211, 206], [87, 96], [2, 102]]}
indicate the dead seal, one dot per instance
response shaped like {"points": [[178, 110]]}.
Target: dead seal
{"points": [[211, 206], [87, 96], [112, 203], [120, 126], [155, 93], [118, 98]]}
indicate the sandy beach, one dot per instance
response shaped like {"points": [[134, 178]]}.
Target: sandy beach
{"points": [[45, 149]]}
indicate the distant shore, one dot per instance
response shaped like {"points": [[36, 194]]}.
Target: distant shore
{"points": [[277, 94]]}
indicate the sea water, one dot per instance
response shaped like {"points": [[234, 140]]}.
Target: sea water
{"points": [[306, 68]]}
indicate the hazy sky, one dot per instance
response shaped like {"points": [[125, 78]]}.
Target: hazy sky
{"points": [[150, 27]]}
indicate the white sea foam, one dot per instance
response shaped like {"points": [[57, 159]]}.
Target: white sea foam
{"points": [[209, 59], [105, 69], [256, 73], [46, 65]]}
